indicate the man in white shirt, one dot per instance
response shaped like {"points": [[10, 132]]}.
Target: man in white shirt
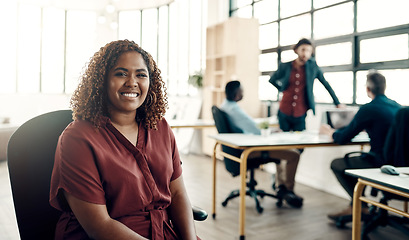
{"points": [[285, 176]]}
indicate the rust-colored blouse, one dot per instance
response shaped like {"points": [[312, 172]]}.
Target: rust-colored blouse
{"points": [[103, 167]]}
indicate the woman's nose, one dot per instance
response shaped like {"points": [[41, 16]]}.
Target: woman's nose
{"points": [[132, 81]]}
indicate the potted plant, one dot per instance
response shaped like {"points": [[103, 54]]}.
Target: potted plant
{"points": [[264, 128], [196, 79]]}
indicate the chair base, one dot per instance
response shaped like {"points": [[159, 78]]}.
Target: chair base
{"points": [[378, 217], [254, 193], [382, 218]]}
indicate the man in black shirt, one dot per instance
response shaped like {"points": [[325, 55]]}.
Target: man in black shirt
{"points": [[375, 118]]}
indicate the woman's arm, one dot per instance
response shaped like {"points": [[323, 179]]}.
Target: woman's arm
{"points": [[180, 210], [97, 223]]}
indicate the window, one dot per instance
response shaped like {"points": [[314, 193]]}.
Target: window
{"points": [[266, 11], [294, 29], [340, 82], [384, 48], [376, 14], [8, 13], [150, 31], [293, 7], [268, 62], [396, 86], [28, 54], [266, 90], [288, 55], [268, 36], [323, 3], [241, 3], [334, 21], [129, 25], [79, 49], [244, 12], [52, 51], [350, 37], [163, 42], [334, 54]]}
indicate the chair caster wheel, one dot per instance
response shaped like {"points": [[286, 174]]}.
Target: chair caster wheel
{"points": [[224, 203], [260, 210], [279, 203]]}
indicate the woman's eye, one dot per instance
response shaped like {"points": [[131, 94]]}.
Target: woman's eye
{"points": [[120, 74], [141, 75]]}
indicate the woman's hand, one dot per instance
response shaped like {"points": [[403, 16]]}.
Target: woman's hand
{"points": [[97, 223]]}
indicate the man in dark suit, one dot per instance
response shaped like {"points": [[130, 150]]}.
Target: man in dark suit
{"points": [[375, 118], [296, 79]]}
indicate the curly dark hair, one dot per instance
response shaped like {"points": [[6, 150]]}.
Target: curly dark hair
{"points": [[90, 100]]}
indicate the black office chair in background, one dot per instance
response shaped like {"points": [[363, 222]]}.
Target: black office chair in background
{"points": [[223, 126], [30, 158], [396, 153]]}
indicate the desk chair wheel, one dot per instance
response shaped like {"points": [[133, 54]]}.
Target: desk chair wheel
{"points": [[260, 209], [224, 203]]}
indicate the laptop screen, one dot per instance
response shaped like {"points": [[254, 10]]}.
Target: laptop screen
{"points": [[339, 118]]}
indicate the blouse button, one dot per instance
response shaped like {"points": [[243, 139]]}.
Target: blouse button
{"points": [[293, 104], [297, 83], [295, 97], [296, 90], [297, 75]]}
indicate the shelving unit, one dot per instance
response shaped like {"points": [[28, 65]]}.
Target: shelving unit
{"points": [[231, 54]]}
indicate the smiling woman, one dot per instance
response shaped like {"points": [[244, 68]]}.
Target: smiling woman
{"points": [[117, 171]]}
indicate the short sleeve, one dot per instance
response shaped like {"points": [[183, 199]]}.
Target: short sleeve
{"points": [[75, 170], [177, 163]]}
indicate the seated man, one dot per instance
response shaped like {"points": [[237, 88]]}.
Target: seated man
{"points": [[285, 177], [375, 118]]}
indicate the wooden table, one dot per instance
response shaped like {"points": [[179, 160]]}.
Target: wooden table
{"points": [[199, 123], [396, 184], [275, 141]]}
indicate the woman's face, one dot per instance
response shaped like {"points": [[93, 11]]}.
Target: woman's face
{"points": [[128, 83]]}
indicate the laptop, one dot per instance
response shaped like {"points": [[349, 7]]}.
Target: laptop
{"points": [[339, 118]]}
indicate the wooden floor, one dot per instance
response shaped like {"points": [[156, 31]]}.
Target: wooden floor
{"points": [[308, 223]]}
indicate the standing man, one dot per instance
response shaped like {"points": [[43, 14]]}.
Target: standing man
{"points": [[375, 118], [296, 79], [285, 176]]}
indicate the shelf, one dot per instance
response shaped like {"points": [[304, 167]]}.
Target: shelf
{"points": [[231, 54]]}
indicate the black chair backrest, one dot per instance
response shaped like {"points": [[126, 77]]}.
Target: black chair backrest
{"points": [[224, 126], [396, 148], [30, 157]]}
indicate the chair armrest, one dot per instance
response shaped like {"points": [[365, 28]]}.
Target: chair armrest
{"points": [[358, 153], [199, 214]]}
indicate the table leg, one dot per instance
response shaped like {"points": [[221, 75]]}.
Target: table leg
{"points": [[214, 181], [356, 211], [242, 211]]}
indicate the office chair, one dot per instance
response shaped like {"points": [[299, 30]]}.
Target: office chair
{"points": [[30, 161], [224, 126], [396, 153]]}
